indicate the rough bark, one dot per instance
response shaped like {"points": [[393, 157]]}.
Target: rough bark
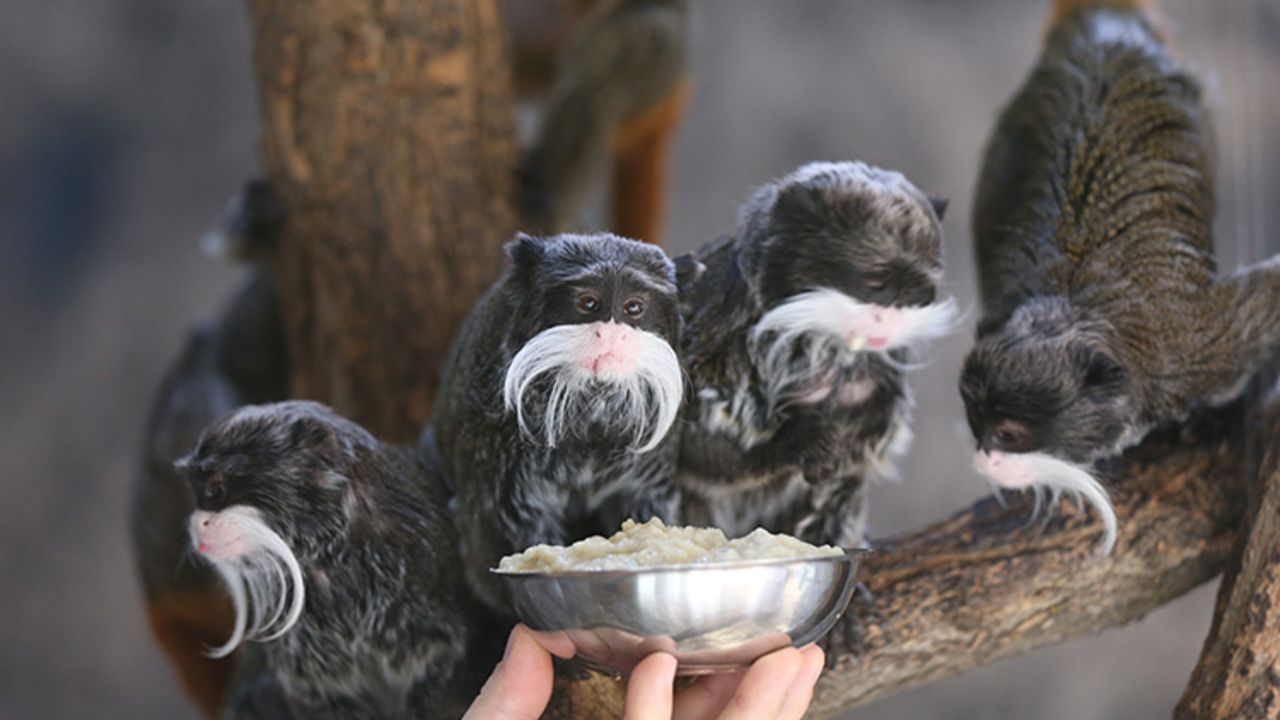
{"points": [[387, 129], [983, 585], [1238, 675]]}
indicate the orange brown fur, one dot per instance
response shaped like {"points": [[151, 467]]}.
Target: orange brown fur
{"points": [[1064, 8], [186, 623], [641, 147]]}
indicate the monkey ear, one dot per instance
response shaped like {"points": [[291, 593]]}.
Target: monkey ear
{"points": [[939, 204], [1103, 370], [317, 437], [526, 251], [688, 270]]}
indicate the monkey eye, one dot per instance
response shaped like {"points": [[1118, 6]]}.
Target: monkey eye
{"points": [[1011, 435], [588, 303], [634, 308], [216, 490]]}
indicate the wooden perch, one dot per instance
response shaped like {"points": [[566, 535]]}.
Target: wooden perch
{"points": [[1238, 675], [983, 586]]}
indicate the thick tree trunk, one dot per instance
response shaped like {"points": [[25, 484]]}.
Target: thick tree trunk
{"points": [[387, 129], [1238, 675]]}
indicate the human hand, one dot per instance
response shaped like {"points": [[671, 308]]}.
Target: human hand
{"points": [[777, 686]]}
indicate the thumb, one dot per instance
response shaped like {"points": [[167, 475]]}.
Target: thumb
{"points": [[520, 686]]}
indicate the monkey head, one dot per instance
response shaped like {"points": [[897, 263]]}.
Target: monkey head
{"points": [[844, 258], [269, 483], [1046, 395], [591, 336], [250, 224]]}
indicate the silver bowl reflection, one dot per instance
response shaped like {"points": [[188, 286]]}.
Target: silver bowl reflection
{"points": [[712, 618]]}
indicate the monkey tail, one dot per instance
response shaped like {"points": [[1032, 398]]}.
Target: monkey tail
{"points": [[1065, 9]]}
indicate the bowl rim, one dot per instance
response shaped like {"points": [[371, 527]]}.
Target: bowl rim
{"points": [[851, 556]]}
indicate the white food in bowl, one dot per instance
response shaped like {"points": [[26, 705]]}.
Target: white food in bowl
{"points": [[653, 544]]}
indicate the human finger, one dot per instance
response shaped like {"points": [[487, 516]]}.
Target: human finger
{"points": [[520, 686], [649, 689], [800, 694], [764, 688]]}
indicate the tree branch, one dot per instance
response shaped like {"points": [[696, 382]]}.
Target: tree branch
{"points": [[983, 586], [1238, 674]]}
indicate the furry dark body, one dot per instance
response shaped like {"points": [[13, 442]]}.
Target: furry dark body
{"points": [[385, 626], [512, 491], [1105, 315], [746, 460]]}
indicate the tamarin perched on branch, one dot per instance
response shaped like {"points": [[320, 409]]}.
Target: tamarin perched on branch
{"points": [[618, 92], [559, 399], [1105, 314], [237, 359], [798, 329], [340, 558]]}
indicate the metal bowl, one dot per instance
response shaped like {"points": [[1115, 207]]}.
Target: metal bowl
{"points": [[712, 618]]}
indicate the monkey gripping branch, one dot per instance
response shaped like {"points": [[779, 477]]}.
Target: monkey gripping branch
{"points": [[387, 130]]}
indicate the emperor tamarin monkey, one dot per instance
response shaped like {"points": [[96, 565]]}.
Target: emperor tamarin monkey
{"points": [[339, 556], [618, 93], [1105, 313], [559, 398], [797, 332]]}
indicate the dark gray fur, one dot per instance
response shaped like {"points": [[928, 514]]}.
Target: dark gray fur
{"points": [[802, 468], [1105, 315], [386, 625], [513, 492]]}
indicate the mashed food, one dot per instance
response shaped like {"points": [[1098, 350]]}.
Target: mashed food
{"points": [[639, 545]]}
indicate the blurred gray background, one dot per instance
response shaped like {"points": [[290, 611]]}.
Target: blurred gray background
{"points": [[128, 123]]}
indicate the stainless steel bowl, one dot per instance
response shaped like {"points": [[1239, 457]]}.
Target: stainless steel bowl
{"points": [[712, 618]]}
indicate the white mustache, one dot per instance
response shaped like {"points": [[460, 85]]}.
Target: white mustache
{"points": [[1039, 472], [822, 323], [647, 400], [265, 582]]}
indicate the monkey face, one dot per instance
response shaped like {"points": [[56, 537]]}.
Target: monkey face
{"points": [[286, 460], [865, 232], [595, 322], [1045, 397], [265, 480], [586, 279], [846, 258], [1039, 382]]}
